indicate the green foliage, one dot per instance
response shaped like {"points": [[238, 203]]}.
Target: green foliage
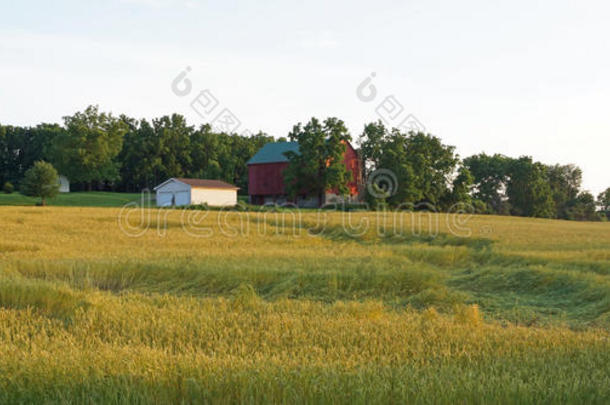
{"points": [[490, 175], [378, 199], [603, 201], [8, 187], [98, 150], [395, 158], [86, 152], [175, 136], [319, 164], [565, 182], [433, 164], [371, 143], [140, 156], [20, 147], [170, 148], [424, 167], [582, 208], [480, 207], [41, 180], [528, 189], [461, 191]]}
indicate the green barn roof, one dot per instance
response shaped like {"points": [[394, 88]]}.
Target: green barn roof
{"points": [[274, 152]]}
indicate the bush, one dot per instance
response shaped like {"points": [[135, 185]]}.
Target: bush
{"points": [[8, 187], [40, 181], [480, 207]]}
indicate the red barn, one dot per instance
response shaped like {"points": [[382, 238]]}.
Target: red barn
{"points": [[266, 175]]}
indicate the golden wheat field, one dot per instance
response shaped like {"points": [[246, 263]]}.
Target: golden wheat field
{"points": [[101, 305]]}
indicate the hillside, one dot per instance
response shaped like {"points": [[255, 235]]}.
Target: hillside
{"points": [[274, 307]]}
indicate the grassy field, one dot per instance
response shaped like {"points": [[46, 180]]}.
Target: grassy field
{"points": [[225, 307], [82, 199], [76, 199]]}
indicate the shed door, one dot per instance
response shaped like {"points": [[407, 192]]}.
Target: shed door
{"points": [[182, 198], [169, 198]]}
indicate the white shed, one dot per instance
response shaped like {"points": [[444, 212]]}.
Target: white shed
{"points": [[64, 184], [180, 191]]}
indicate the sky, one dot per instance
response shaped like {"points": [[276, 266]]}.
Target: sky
{"points": [[512, 77]]}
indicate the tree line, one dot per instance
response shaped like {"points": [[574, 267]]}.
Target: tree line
{"points": [[96, 150], [429, 172]]}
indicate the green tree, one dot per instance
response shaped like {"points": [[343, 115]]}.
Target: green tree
{"points": [[174, 137], [205, 148], [395, 158], [140, 158], [87, 151], [41, 180], [583, 208], [603, 201], [171, 148], [422, 165], [434, 165], [490, 176], [319, 165], [4, 155], [8, 187], [528, 189], [461, 192], [371, 143], [20, 147], [565, 181]]}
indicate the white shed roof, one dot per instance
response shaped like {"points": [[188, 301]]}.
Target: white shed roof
{"points": [[200, 183]]}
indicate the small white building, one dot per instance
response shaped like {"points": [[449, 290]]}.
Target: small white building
{"points": [[64, 184], [180, 191]]}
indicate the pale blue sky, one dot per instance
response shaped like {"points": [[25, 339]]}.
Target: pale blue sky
{"points": [[514, 77]]}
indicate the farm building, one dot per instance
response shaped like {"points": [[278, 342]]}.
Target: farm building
{"points": [[64, 184], [266, 176], [180, 191]]}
